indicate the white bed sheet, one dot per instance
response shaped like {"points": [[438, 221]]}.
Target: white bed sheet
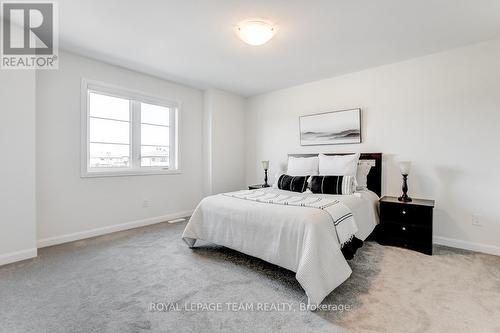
{"points": [[301, 239], [364, 207]]}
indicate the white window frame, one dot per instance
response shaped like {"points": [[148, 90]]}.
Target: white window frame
{"points": [[135, 99]]}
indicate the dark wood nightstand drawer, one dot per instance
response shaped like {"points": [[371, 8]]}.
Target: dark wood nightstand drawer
{"points": [[406, 231], [406, 214], [410, 244]]}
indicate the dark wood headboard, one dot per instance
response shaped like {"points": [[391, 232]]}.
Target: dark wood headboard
{"points": [[374, 179]]}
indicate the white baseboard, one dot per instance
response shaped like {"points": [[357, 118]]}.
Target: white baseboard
{"points": [[17, 256], [106, 230], [461, 244]]}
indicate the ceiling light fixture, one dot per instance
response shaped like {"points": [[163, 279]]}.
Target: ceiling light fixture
{"points": [[255, 31]]}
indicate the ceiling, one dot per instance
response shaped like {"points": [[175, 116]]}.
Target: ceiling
{"points": [[193, 42]]}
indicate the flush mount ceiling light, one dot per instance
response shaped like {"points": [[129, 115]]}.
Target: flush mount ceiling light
{"points": [[255, 31]]}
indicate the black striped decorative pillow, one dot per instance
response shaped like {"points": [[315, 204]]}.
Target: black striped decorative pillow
{"points": [[293, 183], [332, 184]]}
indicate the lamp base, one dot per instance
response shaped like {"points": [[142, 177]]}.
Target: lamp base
{"points": [[404, 198], [265, 179]]}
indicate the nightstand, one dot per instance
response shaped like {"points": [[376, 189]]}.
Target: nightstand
{"points": [[406, 224], [256, 186]]}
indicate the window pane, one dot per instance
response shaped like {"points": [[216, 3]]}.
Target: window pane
{"points": [[108, 107], [154, 156], [154, 135], [109, 155], [109, 131], [154, 114]]}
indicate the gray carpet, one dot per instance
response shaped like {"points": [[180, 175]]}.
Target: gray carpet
{"points": [[107, 284]]}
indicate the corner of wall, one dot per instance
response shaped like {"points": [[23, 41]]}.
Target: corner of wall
{"points": [[207, 141], [224, 141]]}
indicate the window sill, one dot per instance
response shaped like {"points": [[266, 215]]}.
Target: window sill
{"points": [[127, 173]]}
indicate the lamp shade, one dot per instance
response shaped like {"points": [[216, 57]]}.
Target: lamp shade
{"points": [[405, 167], [265, 165]]}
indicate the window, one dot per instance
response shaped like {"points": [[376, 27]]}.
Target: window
{"points": [[109, 131], [126, 133]]}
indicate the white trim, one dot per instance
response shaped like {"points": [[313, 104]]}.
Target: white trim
{"points": [[173, 139], [107, 230], [84, 128], [118, 91], [131, 172], [11, 257], [465, 245], [134, 134]]}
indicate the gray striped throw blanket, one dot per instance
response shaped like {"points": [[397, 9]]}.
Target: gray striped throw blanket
{"points": [[342, 218]]}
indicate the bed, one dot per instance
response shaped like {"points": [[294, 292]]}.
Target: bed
{"points": [[300, 238]]}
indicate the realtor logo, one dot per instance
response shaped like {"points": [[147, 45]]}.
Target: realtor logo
{"points": [[29, 35]]}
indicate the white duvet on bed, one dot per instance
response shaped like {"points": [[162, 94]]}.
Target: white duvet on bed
{"points": [[301, 239]]}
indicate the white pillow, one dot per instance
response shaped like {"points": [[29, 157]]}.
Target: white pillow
{"points": [[302, 166], [338, 165], [362, 174]]}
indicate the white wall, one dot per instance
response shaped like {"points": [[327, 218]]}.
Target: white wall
{"points": [[441, 111], [70, 207], [224, 145], [17, 166]]}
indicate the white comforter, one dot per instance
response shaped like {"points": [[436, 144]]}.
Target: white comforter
{"points": [[301, 239]]}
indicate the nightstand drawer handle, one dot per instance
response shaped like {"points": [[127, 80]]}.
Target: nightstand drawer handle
{"points": [[403, 212], [403, 228]]}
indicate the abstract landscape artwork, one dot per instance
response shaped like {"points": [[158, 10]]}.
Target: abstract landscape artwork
{"points": [[331, 128]]}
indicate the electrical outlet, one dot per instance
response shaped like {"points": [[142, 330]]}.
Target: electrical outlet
{"points": [[476, 220], [145, 204]]}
